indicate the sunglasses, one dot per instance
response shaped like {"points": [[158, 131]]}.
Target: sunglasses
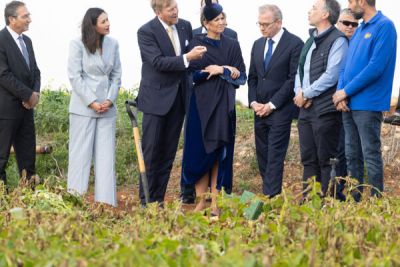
{"points": [[348, 23]]}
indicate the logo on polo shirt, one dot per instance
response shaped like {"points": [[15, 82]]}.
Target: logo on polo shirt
{"points": [[367, 35]]}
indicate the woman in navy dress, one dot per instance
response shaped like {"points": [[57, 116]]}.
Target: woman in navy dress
{"points": [[211, 121]]}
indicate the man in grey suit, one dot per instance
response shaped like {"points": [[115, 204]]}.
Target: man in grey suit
{"points": [[19, 90], [162, 43]]}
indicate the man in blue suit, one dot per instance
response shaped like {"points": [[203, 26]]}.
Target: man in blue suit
{"points": [[162, 42], [273, 66]]}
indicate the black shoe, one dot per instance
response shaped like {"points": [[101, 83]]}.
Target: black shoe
{"points": [[393, 119], [188, 199], [340, 196]]}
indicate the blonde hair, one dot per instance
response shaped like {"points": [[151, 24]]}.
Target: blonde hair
{"points": [[158, 5]]}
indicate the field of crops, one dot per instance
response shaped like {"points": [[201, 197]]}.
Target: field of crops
{"points": [[49, 227]]}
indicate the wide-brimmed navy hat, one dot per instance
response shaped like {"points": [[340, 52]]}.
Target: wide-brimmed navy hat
{"points": [[211, 10]]}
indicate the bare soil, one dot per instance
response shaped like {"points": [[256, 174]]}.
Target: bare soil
{"points": [[246, 175]]}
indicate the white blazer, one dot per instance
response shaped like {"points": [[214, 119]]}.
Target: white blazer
{"points": [[94, 77]]}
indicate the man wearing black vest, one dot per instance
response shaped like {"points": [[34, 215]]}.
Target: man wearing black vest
{"points": [[319, 122]]}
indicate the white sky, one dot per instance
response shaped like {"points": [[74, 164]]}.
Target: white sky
{"points": [[55, 23]]}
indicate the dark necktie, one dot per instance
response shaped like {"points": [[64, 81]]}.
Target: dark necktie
{"points": [[24, 50], [268, 55]]}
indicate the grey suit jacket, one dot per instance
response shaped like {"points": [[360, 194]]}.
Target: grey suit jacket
{"points": [[93, 77]]}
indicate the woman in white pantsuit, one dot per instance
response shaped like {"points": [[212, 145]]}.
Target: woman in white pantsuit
{"points": [[94, 70]]}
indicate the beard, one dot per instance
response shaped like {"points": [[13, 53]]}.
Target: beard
{"points": [[358, 13]]}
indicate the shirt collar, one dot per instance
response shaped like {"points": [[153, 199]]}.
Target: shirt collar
{"points": [[278, 36], [13, 33], [165, 25], [374, 19]]}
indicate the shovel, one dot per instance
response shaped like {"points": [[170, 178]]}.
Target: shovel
{"points": [[131, 109]]}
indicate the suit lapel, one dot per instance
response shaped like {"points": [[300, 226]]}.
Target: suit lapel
{"points": [[182, 36], [16, 49], [163, 38], [260, 54], [282, 45], [104, 58]]}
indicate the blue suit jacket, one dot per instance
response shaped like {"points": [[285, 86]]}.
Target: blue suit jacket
{"points": [[227, 32], [277, 82], [162, 71]]}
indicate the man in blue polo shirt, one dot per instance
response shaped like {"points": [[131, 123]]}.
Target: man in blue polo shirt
{"points": [[364, 91]]}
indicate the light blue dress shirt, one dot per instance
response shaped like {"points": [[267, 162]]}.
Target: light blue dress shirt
{"points": [[330, 77]]}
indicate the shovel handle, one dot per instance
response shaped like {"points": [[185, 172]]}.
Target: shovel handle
{"points": [[136, 137], [131, 109]]}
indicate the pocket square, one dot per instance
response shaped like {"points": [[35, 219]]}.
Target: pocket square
{"points": [[186, 42]]}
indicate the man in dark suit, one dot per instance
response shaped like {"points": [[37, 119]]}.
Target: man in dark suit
{"points": [[273, 66], [19, 90], [162, 43]]}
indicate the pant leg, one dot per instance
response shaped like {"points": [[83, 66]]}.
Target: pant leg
{"points": [[370, 137], [354, 155], [278, 142], [25, 144], [7, 132], [188, 191], [261, 131], [326, 132], [159, 142], [80, 151], [341, 168], [308, 149], [104, 161]]}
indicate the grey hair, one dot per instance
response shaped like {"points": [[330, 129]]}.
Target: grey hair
{"points": [[347, 11], [274, 9], [11, 10], [333, 8]]}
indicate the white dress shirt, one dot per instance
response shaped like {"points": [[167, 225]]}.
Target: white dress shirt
{"points": [[276, 40], [176, 39], [15, 36]]}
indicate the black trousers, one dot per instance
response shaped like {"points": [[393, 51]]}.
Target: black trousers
{"points": [[159, 142], [272, 140], [19, 133], [319, 137]]}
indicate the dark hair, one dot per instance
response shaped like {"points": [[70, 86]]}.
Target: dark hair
{"points": [[203, 19], [90, 37], [11, 10], [371, 2], [333, 8]]}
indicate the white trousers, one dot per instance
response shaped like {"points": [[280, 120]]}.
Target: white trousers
{"points": [[92, 138]]}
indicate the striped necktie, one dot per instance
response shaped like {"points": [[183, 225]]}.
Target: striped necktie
{"points": [[268, 55], [170, 32], [24, 50]]}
